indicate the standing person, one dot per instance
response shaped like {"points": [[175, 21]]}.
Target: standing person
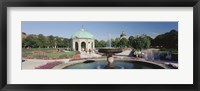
{"points": [[140, 53], [133, 51], [136, 54], [131, 54]]}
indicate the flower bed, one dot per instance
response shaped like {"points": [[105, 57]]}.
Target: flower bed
{"points": [[48, 54], [49, 65], [77, 56]]}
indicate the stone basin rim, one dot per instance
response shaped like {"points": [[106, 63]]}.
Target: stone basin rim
{"points": [[61, 66], [110, 50]]}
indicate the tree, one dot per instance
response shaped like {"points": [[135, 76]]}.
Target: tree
{"points": [[158, 41], [50, 41], [131, 40], [96, 43], [113, 43], [151, 40], [171, 39], [123, 42], [102, 43], [117, 42], [66, 42], [24, 33], [31, 41], [41, 41], [139, 42], [147, 41], [167, 40], [23, 43]]}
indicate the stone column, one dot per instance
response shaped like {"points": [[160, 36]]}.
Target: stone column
{"points": [[73, 46], [79, 46], [87, 47], [93, 44]]}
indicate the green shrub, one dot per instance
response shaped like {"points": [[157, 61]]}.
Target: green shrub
{"points": [[39, 56], [175, 57], [77, 52], [63, 56], [26, 54]]}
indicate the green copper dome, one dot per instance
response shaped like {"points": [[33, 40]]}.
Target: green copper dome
{"points": [[82, 34]]}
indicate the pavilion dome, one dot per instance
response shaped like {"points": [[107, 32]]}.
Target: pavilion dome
{"points": [[82, 34]]}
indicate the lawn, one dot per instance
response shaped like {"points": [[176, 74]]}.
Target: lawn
{"points": [[173, 51]]}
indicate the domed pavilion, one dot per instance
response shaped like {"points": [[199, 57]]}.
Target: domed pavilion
{"points": [[83, 41]]}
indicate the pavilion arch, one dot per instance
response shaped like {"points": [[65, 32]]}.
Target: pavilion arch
{"points": [[83, 46], [76, 46]]}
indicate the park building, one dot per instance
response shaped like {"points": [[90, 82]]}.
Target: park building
{"points": [[83, 41], [123, 35]]}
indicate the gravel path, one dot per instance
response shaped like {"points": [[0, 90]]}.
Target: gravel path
{"points": [[89, 55], [34, 63]]}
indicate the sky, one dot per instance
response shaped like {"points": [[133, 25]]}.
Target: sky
{"points": [[100, 30]]}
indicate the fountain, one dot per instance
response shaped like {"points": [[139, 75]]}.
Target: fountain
{"points": [[109, 63], [109, 53]]}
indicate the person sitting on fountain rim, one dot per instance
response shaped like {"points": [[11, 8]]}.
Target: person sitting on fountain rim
{"points": [[89, 51]]}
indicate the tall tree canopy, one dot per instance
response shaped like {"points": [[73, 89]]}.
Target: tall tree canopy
{"points": [[41, 41], [167, 40], [123, 43]]}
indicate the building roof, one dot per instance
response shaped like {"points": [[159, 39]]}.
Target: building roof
{"points": [[123, 34], [82, 34], [24, 36]]}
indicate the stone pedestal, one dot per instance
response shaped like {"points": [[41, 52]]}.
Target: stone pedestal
{"points": [[110, 60], [110, 51]]}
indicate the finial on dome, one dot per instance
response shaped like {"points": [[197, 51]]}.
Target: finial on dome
{"points": [[82, 28]]}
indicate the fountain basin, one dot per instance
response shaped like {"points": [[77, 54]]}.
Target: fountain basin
{"points": [[120, 64], [110, 50]]}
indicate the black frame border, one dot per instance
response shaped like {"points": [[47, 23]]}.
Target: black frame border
{"points": [[99, 3]]}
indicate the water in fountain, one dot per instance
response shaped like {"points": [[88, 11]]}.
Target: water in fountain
{"points": [[108, 44]]}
